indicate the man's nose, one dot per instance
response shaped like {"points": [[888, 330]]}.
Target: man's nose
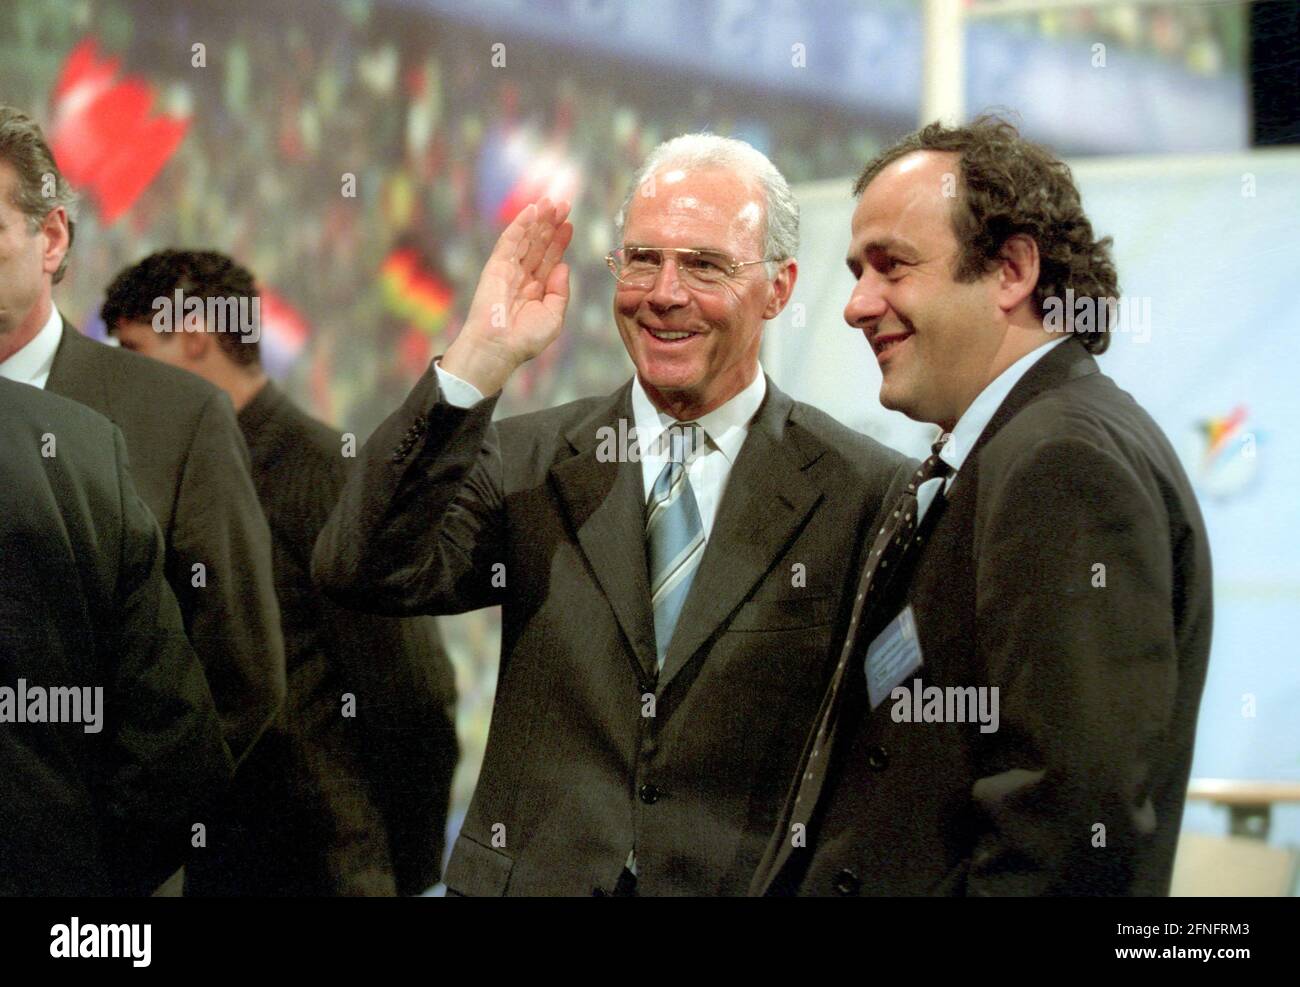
{"points": [[667, 290], [866, 304]]}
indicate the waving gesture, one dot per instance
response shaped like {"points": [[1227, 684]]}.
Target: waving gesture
{"points": [[518, 306]]}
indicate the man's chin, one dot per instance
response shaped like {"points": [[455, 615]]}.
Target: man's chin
{"points": [[668, 380], [905, 404], [890, 399]]}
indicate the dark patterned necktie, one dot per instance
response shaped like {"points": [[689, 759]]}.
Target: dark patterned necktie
{"points": [[892, 542]]}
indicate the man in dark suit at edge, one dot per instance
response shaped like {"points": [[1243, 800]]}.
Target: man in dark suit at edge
{"points": [[1015, 704], [346, 805], [188, 459], [669, 558], [104, 786]]}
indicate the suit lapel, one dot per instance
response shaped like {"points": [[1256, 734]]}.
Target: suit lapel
{"points": [[604, 501], [767, 498]]}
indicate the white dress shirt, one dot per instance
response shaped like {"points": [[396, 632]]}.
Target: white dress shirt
{"points": [[709, 467], [31, 364], [970, 426]]}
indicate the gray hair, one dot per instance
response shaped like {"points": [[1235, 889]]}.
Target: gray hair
{"points": [[41, 186], [780, 212]]}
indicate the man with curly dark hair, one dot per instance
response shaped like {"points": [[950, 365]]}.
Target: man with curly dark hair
{"points": [[188, 460], [1014, 707], [340, 799], [1011, 186]]}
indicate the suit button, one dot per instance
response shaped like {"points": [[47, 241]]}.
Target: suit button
{"points": [[847, 882], [877, 758], [649, 794]]}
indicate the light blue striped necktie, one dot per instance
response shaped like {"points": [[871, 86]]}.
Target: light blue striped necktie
{"points": [[674, 533]]}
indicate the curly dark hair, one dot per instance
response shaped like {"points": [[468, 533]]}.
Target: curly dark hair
{"points": [[197, 273], [1012, 186]]}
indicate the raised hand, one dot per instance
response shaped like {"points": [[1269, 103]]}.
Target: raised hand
{"points": [[518, 306]]}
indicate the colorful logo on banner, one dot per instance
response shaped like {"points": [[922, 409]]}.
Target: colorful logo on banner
{"points": [[103, 135], [1223, 453]]}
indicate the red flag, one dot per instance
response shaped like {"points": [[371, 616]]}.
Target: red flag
{"points": [[103, 136]]}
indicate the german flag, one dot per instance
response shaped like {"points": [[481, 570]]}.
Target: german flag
{"points": [[413, 292]]}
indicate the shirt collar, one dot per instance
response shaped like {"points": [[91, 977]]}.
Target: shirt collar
{"points": [[32, 364], [726, 425], [971, 425]]}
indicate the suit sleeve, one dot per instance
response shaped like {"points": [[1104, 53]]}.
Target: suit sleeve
{"points": [[167, 760], [234, 616], [403, 752], [419, 527], [1073, 588]]}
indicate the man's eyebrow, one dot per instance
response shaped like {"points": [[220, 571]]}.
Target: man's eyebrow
{"points": [[884, 245], [654, 246], [890, 244]]}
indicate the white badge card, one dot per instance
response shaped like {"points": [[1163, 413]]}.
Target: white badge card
{"points": [[893, 656]]}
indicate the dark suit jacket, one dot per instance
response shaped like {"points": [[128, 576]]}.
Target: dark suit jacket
{"points": [[83, 604], [1098, 685], [351, 804], [191, 467], [588, 755]]}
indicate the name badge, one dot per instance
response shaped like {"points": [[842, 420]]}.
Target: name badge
{"points": [[893, 656]]}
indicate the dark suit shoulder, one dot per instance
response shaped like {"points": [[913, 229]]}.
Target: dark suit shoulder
{"points": [[299, 468], [860, 453], [1091, 410], [36, 409], [171, 419], [552, 422], [53, 440], [530, 443], [185, 394], [303, 441]]}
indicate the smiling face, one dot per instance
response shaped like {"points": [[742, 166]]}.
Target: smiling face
{"points": [[937, 340], [694, 348]]}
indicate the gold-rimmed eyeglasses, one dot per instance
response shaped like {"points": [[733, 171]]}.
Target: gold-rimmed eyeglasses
{"points": [[639, 267]]}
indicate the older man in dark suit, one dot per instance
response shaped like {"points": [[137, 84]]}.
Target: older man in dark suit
{"points": [[1014, 707], [669, 558], [110, 746], [188, 459], [352, 796]]}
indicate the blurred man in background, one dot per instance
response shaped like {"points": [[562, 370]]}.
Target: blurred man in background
{"points": [[1015, 705], [669, 558], [351, 798], [110, 746], [189, 460]]}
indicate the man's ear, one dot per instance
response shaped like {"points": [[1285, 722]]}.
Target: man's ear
{"points": [[1017, 271], [57, 239], [195, 344], [782, 288]]}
